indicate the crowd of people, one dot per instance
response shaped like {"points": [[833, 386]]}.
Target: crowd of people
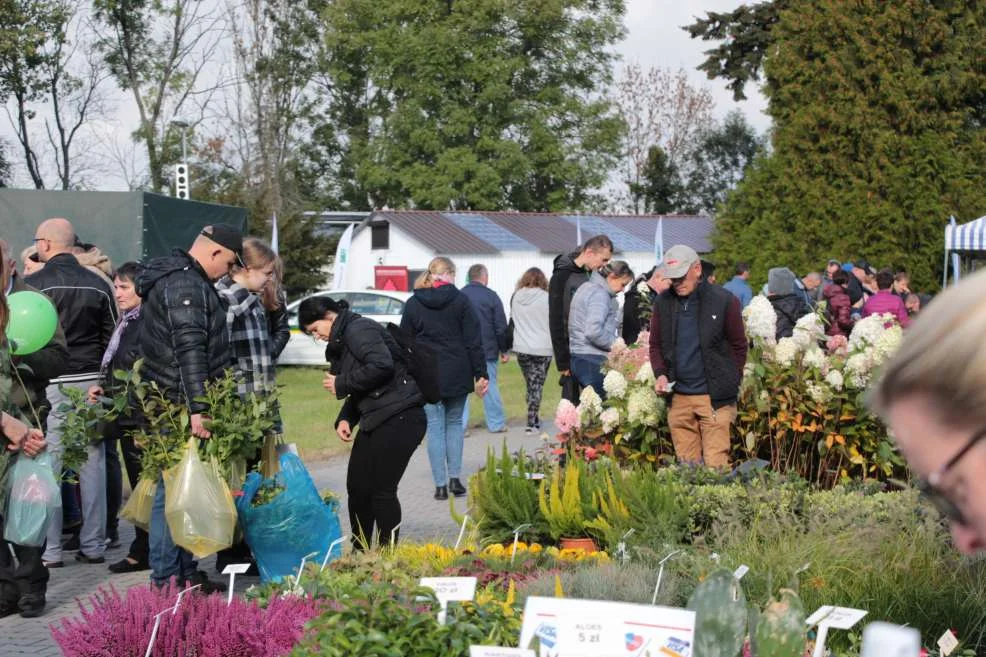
{"points": [[194, 314]]}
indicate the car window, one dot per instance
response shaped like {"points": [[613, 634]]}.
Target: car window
{"points": [[369, 304], [396, 307], [293, 311]]}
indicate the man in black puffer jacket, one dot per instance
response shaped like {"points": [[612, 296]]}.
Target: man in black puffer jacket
{"points": [[184, 343]]}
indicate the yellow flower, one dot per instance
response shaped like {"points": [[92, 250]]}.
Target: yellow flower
{"points": [[521, 545], [494, 550], [535, 548]]}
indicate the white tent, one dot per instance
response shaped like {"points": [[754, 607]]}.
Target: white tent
{"points": [[963, 240]]}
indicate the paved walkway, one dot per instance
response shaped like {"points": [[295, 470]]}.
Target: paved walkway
{"points": [[424, 519]]}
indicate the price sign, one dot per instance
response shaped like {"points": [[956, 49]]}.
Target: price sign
{"points": [[493, 651], [449, 589], [837, 618], [567, 627]]}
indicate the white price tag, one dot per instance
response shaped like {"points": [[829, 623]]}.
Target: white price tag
{"points": [[594, 628], [742, 570], [948, 643], [837, 618], [494, 651], [449, 589]]}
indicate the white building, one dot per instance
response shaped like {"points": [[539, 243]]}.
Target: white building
{"points": [[507, 243]]}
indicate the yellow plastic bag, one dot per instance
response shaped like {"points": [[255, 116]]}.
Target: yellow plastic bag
{"points": [[198, 505], [269, 464], [138, 508]]}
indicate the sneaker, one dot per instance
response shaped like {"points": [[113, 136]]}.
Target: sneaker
{"points": [[32, 605], [83, 558]]}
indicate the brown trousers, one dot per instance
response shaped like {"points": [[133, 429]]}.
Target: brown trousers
{"points": [[699, 432]]}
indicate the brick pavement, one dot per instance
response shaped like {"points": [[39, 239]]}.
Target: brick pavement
{"points": [[424, 519]]}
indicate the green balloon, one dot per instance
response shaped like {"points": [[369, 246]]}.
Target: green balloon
{"points": [[32, 323]]}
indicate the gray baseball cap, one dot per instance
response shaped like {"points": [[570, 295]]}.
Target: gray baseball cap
{"points": [[677, 260]]}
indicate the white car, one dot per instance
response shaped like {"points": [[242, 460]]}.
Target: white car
{"points": [[379, 305]]}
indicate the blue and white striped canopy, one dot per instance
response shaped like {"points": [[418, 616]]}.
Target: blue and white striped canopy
{"points": [[966, 237]]}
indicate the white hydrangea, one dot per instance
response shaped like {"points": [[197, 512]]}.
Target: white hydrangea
{"points": [[644, 407], [815, 357], [887, 344], [643, 289], [834, 379], [868, 330], [749, 370], [761, 320], [818, 392], [858, 369], [786, 351], [590, 406], [645, 374], [610, 419], [808, 330], [618, 345], [615, 385]]}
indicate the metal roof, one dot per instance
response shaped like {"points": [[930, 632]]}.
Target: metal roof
{"points": [[456, 233]]}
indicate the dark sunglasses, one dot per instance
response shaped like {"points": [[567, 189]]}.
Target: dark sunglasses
{"points": [[931, 487]]}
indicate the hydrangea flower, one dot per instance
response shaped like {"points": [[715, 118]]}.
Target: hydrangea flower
{"points": [[887, 344], [834, 379], [644, 407], [815, 357], [786, 351], [808, 330], [761, 320], [566, 416], [615, 385], [610, 419], [818, 393], [868, 330], [645, 374], [590, 406], [643, 289], [858, 370]]}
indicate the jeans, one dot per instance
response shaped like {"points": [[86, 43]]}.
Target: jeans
{"points": [[492, 402], [587, 369], [445, 436], [92, 482], [167, 560], [376, 465]]}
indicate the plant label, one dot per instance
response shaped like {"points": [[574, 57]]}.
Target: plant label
{"points": [[947, 643], [233, 570], [494, 651], [888, 640], [837, 618], [741, 571], [594, 628], [449, 589]]}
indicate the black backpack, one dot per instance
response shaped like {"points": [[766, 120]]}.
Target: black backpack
{"points": [[421, 361]]}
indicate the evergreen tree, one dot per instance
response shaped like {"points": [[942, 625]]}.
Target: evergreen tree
{"points": [[717, 161], [878, 137], [660, 186]]}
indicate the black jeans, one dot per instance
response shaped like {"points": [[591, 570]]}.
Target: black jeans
{"points": [[114, 484], [26, 575], [376, 465]]}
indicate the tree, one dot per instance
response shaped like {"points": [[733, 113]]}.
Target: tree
{"points": [[717, 161], [660, 184], [661, 109], [4, 165], [478, 104], [878, 137], [745, 36], [158, 50]]}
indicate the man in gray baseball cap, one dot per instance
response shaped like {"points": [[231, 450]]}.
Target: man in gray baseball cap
{"points": [[697, 350]]}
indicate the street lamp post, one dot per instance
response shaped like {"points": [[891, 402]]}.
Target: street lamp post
{"points": [[182, 187]]}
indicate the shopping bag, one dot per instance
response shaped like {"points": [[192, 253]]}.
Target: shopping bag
{"points": [[284, 520], [34, 498], [137, 510], [198, 505]]}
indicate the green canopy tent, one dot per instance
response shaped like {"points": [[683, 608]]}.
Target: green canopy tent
{"points": [[124, 225]]}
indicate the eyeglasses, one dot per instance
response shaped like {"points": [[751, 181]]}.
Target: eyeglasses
{"points": [[931, 487]]}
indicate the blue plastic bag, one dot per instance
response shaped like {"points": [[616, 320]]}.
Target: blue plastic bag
{"points": [[295, 524], [34, 498]]}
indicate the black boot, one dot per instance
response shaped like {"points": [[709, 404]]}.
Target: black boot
{"points": [[441, 492], [456, 487]]}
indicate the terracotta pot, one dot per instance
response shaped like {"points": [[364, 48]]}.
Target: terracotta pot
{"points": [[584, 544]]}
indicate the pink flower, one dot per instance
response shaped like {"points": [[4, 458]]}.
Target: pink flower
{"points": [[567, 416], [590, 454], [837, 344]]}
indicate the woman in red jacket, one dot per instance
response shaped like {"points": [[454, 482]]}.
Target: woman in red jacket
{"points": [[839, 307]]}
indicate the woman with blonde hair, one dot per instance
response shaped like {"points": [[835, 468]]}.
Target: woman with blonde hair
{"points": [[275, 301], [932, 394], [441, 317], [532, 338]]}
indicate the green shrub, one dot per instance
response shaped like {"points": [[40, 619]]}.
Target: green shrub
{"points": [[502, 499], [632, 582]]}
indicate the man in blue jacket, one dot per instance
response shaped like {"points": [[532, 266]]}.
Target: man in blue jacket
{"points": [[739, 286], [493, 328]]}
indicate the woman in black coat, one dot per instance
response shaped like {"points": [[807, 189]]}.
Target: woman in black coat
{"points": [[368, 371], [443, 318]]}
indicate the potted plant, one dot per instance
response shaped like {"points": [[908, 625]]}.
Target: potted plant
{"points": [[562, 504], [502, 498]]}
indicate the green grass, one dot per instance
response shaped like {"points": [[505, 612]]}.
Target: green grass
{"points": [[309, 411]]}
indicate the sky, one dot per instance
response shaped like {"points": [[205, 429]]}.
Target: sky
{"points": [[654, 38]]}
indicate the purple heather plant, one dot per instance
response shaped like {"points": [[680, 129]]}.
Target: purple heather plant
{"points": [[120, 626]]}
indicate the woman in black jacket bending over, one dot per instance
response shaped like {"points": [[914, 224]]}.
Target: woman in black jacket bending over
{"points": [[368, 371]]}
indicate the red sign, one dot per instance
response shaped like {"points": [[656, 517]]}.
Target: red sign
{"points": [[390, 278]]}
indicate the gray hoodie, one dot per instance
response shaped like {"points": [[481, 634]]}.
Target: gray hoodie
{"points": [[592, 318], [529, 312]]}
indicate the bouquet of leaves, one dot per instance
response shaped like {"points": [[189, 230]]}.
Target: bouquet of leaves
{"points": [[84, 420]]}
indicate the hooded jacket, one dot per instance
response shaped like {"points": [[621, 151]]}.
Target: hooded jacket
{"points": [[789, 308], [839, 310], [565, 279], [444, 319], [86, 312], [184, 338], [592, 318], [529, 312], [370, 372]]}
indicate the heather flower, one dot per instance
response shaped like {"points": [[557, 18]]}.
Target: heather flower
{"points": [[566, 416], [761, 320], [610, 419], [615, 385], [645, 374]]}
